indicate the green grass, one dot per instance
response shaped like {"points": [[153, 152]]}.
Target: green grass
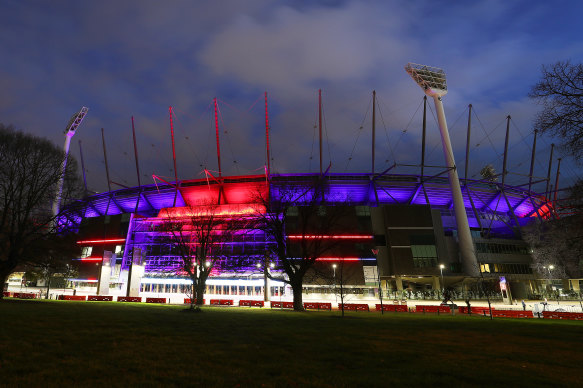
{"points": [[49, 343]]}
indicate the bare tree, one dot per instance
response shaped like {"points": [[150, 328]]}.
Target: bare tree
{"points": [[199, 235], [340, 275], [560, 91], [30, 169], [556, 247], [297, 223], [53, 255]]}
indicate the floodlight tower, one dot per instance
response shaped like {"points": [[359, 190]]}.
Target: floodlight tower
{"points": [[70, 129], [432, 81]]}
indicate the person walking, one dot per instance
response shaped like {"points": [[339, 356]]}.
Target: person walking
{"points": [[523, 305]]}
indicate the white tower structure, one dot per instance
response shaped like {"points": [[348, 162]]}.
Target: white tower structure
{"points": [[432, 81], [70, 129]]}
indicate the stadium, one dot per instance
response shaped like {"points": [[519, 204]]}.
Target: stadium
{"points": [[408, 235]]}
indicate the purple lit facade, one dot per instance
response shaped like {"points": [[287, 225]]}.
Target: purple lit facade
{"points": [[488, 208]]}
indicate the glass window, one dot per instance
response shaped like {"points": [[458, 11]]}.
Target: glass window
{"points": [[86, 252]]}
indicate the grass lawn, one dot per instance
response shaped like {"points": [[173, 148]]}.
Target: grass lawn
{"points": [[49, 343]]}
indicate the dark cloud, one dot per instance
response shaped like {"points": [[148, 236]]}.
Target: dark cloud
{"points": [[139, 57]]}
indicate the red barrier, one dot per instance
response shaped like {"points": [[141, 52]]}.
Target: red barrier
{"points": [[282, 305], [6, 294], [475, 310], [562, 315], [71, 297], [222, 302], [155, 300], [392, 307], [24, 295], [354, 306], [187, 301], [136, 299], [317, 306], [100, 298], [512, 314], [251, 303], [432, 309]]}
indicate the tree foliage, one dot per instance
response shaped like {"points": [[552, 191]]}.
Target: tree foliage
{"points": [[560, 91], [557, 243], [52, 255], [30, 168], [200, 236], [300, 210], [488, 173]]}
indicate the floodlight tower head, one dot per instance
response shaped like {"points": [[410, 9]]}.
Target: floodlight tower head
{"points": [[75, 121], [430, 79]]}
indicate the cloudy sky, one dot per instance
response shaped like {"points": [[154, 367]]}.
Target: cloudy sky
{"points": [[137, 58]]}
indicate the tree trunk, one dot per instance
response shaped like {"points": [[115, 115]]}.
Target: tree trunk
{"points": [[342, 296], [3, 277], [297, 290], [199, 294], [48, 287]]}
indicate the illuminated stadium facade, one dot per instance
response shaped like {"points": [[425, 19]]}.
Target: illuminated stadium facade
{"points": [[402, 233], [403, 229]]}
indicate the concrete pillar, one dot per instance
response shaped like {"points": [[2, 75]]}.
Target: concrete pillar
{"points": [[136, 273], [575, 285], [436, 282], [105, 272], [399, 283]]}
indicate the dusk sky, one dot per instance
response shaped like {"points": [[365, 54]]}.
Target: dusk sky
{"points": [[137, 58]]}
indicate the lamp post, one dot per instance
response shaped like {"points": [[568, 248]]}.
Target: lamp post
{"points": [[441, 267], [334, 284], [550, 268]]}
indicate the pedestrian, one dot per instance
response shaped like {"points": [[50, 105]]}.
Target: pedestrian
{"points": [[523, 305]]}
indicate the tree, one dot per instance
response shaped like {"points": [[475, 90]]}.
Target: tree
{"points": [[488, 173], [556, 247], [338, 276], [199, 236], [53, 255], [30, 168], [560, 91], [296, 224]]}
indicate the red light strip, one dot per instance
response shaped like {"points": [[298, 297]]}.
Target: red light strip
{"points": [[326, 236], [91, 259], [105, 241], [339, 259]]}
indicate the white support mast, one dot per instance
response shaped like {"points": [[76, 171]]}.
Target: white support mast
{"points": [[432, 81], [69, 132]]}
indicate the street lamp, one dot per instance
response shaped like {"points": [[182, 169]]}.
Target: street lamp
{"points": [[441, 267], [334, 284]]}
